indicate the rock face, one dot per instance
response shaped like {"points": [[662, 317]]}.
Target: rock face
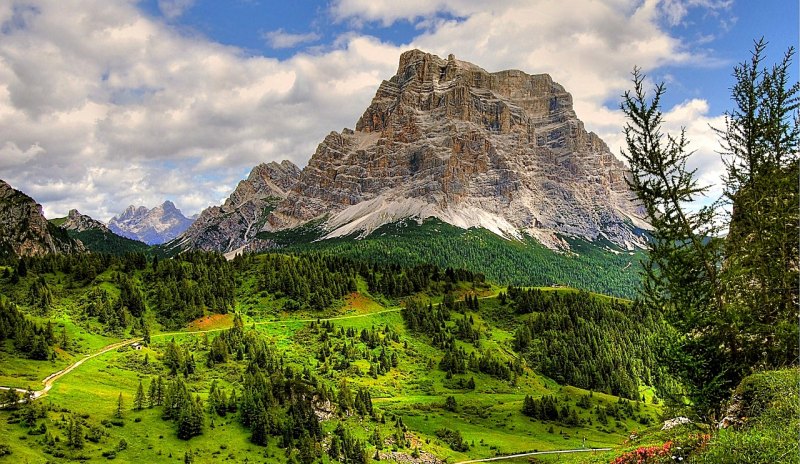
{"points": [[81, 222], [447, 139], [151, 226], [24, 231], [234, 224]]}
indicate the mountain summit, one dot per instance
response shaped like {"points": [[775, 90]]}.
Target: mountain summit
{"points": [[78, 222], [151, 226], [24, 231], [444, 138], [235, 223]]}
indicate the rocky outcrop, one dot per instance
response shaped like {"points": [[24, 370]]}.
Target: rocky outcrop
{"points": [[80, 222], [234, 225], [151, 226], [24, 231], [444, 138]]}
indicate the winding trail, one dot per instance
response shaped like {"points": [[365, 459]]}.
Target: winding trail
{"points": [[286, 321], [52, 378]]}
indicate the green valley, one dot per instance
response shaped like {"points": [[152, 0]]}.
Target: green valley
{"points": [[371, 372]]}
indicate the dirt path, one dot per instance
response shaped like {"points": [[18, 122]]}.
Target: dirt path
{"points": [[536, 453], [51, 379]]}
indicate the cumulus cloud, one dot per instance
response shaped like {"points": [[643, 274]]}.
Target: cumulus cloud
{"points": [[105, 107], [677, 10], [174, 8], [102, 106], [282, 39]]}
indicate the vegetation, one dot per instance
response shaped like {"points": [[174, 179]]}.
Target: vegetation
{"points": [[593, 343], [734, 300], [356, 379], [526, 262], [98, 241]]}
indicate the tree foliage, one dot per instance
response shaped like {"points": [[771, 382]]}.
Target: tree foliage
{"points": [[734, 299]]}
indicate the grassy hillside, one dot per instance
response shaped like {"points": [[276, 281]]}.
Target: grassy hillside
{"points": [[360, 342], [761, 427], [598, 267]]}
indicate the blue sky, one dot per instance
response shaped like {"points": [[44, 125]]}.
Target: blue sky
{"points": [[105, 104]]}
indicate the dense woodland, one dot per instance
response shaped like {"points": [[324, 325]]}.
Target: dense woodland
{"points": [[590, 267], [593, 343], [33, 340]]}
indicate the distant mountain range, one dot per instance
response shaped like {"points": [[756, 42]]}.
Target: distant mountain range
{"points": [[151, 226], [96, 236]]}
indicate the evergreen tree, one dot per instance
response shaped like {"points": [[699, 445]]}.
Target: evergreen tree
{"points": [[734, 299], [118, 412], [139, 398], [74, 433], [190, 419], [151, 394]]}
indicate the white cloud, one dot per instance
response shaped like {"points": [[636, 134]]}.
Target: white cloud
{"points": [[282, 39], [102, 106], [389, 11], [174, 8], [677, 10]]}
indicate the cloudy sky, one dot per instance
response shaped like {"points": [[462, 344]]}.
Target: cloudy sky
{"points": [[106, 103]]}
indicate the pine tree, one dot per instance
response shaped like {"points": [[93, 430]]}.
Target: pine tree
{"points": [[118, 412], [74, 433], [151, 394], [139, 399], [733, 299]]}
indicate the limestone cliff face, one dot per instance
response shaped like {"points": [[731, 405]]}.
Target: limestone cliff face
{"points": [[81, 222], [447, 139], [24, 231], [234, 224]]}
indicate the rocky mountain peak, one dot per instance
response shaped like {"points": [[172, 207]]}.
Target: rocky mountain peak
{"points": [[445, 138], [24, 231], [151, 226], [81, 222], [243, 214]]}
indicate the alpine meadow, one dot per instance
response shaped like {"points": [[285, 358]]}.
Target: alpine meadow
{"points": [[469, 274]]}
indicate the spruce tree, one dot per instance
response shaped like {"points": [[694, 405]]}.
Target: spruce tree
{"points": [[118, 412], [139, 399], [733, 299], [74, 433], [151, 393]]}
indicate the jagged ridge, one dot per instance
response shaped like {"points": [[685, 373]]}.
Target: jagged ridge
{"points": [[235, 224], [151, 226], [24, 231], [445, 138]]}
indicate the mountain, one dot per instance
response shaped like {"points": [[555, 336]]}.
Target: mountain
{"points": [[151, 226], [502, 151], [235, 223], [24, 231], [96, 236], [77, 222]]}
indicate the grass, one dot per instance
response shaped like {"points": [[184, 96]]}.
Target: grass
{"points": [[489, 418]]}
